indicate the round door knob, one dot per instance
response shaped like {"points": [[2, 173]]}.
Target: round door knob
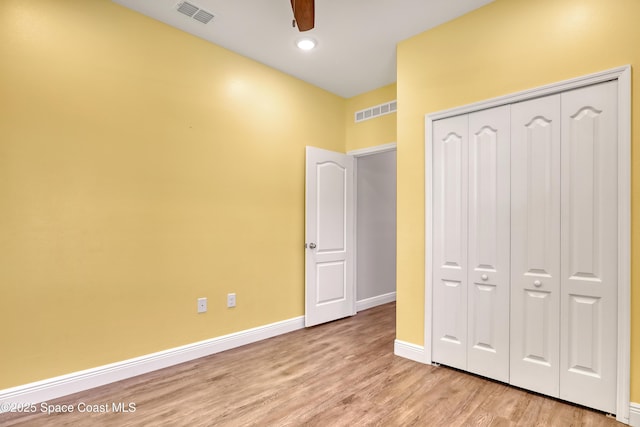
{"points": [[312, 245], [484, 277], [537, 283]]}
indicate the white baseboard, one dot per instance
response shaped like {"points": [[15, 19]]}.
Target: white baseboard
{"points": [[634, 414], [375, 301], [409, 351], [53, 388]]}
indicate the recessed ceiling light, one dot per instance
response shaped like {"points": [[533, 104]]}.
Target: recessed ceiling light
{"points": [[306, 43]]}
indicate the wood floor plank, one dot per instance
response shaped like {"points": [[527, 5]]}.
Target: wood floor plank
{"points": [[343, 373]]}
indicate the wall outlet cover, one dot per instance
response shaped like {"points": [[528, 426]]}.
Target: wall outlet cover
{"points": [[202, 305], [231, 300]]}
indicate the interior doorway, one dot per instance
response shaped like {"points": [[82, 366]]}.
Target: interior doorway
{"points": [[375, 190], [350, 232]]}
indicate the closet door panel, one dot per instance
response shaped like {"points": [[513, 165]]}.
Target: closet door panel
{"points": [[535, 245], [450, 140], [589, 247], [488, 299]]}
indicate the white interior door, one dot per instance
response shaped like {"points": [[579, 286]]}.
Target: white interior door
{"points": [[489, 243], [588, 350], [450, 199], [535, 245], [329, 287]]}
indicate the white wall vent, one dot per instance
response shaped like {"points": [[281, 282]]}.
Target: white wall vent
{"points": [[378, 110], [194, 12]]}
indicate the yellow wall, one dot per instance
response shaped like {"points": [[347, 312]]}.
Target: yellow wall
{"points": [[504, 47], [369, 133], [142, 168]]}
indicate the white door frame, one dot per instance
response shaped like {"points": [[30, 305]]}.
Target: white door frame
{"points": [[623, 76], [392, 146]]}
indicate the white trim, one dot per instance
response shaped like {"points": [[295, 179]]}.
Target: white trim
{"points": [[428, 238], [634, 414], [64, 385], [624, 244], [409, 351], [355, 234], [373, 150], [623, 75], [367, 303]]}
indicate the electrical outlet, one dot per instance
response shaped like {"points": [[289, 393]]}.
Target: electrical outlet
{"points": [[231, 300], [202, 305]]}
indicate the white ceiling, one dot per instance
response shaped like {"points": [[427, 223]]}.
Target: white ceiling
{"points": [[357, 39]]}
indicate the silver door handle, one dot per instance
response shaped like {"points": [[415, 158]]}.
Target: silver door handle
{"points": [[312, 245]]}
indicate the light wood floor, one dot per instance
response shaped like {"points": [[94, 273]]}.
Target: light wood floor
{"points": [[338, 374]]}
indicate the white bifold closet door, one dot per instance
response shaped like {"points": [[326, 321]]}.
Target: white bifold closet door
{"points": [[535, 245], [489, 252], [450, 201], [471, 237], [589, 266], [564, 245], [525, 244]]}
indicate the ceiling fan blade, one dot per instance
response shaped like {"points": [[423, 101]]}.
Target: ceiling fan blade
{"points": [[304, 13]]}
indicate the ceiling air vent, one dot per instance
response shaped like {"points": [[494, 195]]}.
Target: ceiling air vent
{"points": [[194, 12], [376, 111], [203, 16]]}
